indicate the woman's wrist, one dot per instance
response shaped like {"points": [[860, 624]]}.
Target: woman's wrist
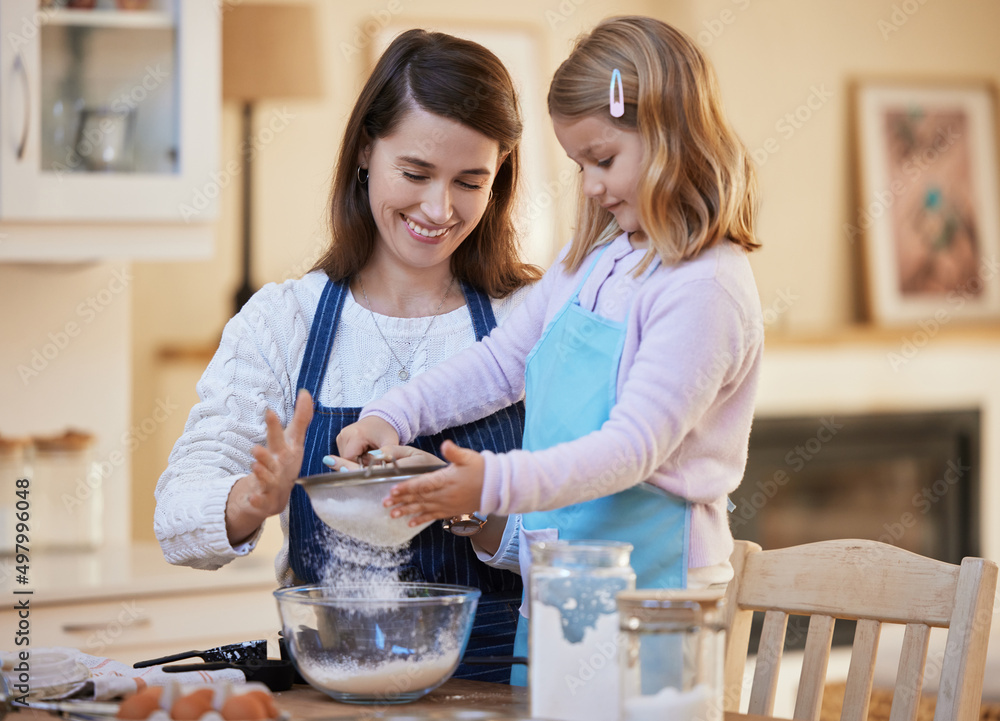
{"points": [[242, 519], [489, 538]]}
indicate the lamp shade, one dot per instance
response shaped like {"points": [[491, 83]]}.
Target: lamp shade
{"points": [[270, 51]]}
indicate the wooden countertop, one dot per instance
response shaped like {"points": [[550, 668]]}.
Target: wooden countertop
{"points": [[305, 703]]}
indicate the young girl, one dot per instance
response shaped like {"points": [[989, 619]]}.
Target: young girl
{"points": [[639, 351]]}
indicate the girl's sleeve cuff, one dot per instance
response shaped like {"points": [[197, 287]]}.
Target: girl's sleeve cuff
{"points": [[399, 424], [491, 500], [506, 557]]}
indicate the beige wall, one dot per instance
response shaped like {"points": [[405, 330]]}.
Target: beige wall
{"points": [[770, 58], [771, 55]]}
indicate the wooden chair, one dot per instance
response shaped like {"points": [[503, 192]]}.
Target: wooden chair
{"points": [[873, 583]]}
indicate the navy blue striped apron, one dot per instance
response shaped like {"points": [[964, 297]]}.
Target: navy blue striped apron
{"points": [[436, 556]]}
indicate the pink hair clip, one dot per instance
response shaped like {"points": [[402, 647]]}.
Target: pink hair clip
{"points": [[617, 106]]}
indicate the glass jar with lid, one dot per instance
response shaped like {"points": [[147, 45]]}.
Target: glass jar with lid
{"points": [[13, 466], [573, 628], [673, 646], [66, 492]]}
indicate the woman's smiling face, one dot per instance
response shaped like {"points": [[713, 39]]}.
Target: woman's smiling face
{"points": [[428, 185]]}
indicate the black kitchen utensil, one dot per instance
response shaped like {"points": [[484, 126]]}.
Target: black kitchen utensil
{"points": [[283, 651], [277, 675], [233, 653], [495, 660]]}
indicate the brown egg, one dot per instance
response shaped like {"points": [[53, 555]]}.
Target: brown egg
{"points": [[266, 700], [139, 706], [243, 707], [192, 706]]}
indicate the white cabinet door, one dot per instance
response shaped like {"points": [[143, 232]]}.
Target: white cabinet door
{"points": [[109, 116]]}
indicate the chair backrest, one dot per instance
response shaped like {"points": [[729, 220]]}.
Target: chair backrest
{"points": [[872, 583]]}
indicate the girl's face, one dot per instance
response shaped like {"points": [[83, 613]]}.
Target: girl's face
{"points": [[428, 185], [609, 158]]}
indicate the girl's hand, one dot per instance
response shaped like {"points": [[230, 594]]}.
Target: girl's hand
{"points": [[266, 490], [366, 435], [449, 492]]}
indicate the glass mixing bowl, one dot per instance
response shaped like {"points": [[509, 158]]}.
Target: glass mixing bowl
{"points": [[385, 645]]}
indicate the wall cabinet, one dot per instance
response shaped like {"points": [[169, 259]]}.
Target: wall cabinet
{"points": [[109, 130]]}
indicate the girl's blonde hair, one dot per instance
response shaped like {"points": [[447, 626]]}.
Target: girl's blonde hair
{"points": [[697, 182]]}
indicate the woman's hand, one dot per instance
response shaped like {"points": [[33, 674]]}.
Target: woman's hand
{"points": [[366, 435], [403, 456], [266, 490], [449, 492], [342, 465]]}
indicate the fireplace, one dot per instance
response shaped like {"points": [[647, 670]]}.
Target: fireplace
{"points": [[910, 479]]}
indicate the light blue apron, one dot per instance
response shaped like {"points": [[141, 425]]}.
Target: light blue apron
{"points": [[571, 381]]}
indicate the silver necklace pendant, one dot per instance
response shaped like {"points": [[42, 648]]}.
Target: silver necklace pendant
{"points": [[403, 373]]}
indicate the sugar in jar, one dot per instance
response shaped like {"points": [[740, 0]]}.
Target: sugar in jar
{"points": [[673, 646], [573, 636]]}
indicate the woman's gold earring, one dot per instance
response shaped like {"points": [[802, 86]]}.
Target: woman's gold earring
{"points": [[362, 178]]}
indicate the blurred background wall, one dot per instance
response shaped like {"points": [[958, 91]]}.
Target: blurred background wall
{"points": [[774, 58]]}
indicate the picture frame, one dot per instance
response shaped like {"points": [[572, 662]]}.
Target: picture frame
{"points": [[928, 209], [521, 49]]}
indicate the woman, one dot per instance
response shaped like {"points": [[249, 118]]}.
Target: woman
{"points": [[422, 263]]}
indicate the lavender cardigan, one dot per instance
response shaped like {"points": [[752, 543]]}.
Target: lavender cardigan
{"points": [[686, 390]]}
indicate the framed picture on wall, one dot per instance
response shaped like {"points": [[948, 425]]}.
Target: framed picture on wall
{"points": [[929, 204]]}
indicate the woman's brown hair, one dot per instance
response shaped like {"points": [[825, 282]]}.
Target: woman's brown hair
{"points": [[697, 183], [456, 79]]}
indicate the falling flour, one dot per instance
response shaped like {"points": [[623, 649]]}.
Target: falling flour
{"points": [[384, 680], [352, 568]]}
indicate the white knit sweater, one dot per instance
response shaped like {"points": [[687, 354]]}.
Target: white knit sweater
{"points": [[257, 367]]}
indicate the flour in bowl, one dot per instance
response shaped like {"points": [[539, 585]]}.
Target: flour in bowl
{"points": [[383, 680]]}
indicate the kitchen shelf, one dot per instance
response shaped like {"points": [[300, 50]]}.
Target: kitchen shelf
{"points": [[850, 335], [861, 335], [129, 19], [196, 353]]}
